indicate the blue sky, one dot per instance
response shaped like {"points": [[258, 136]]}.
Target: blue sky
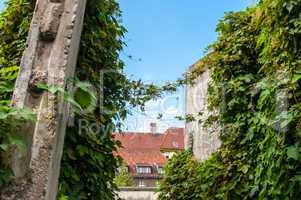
{"points": [[170, 35], [164, 38]]}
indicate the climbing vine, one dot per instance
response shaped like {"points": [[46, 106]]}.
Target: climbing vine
{"points": [[14, 24], [124, 178], [88, 165], [255, 72]]}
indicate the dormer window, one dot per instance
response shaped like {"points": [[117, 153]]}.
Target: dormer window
{"points": [[160, 170], [144, 170]]}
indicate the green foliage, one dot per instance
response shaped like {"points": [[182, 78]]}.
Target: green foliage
{"points": [[255, 67], [124, 178], [14, 23], [88, 164], [82, 98], [11, 120], [176, 173]]}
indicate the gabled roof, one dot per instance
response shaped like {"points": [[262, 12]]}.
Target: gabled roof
{"points": [[173, 139], [139, 141], [145, 148], [144, 157], [140, 148]]}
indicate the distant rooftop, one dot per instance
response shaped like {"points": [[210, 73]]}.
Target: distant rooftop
{"points": [[145, 148]]}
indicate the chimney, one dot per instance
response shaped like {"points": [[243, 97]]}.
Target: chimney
{"points": [[153, 127]]}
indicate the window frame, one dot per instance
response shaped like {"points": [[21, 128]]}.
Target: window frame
{"points": [[160, 170], [144, 169]]}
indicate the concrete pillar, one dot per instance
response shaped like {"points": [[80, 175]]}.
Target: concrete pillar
{"points": [[50, 58]]}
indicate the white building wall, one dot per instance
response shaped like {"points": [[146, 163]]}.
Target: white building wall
{"points": [[138, 194], [203, 140]]}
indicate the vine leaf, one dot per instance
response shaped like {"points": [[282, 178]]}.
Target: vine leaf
{"points": [[296, 78], [4, 147], [293, 152], [245, 169]]}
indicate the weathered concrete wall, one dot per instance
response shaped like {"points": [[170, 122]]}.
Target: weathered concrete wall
{"points": [[203, 140], [138, 194], [50, 58]]}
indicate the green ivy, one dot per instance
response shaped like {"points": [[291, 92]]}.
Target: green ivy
{"points": [[88, 165], [255, 72], [14, 23], [124, 178]]}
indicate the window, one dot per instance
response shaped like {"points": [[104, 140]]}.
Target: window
{"points": [[160, 170], [141, 183], [144, 170]]}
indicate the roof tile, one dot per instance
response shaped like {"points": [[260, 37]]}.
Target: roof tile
{"points": [[144, 148]]}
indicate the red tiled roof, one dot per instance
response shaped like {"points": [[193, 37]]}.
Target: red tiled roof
{"points": [[173, 139], [139, 141], [146, 157], [144, 148]]}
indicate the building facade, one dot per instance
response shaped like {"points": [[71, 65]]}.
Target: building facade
{"points": [[137, 193], [145, 154]]}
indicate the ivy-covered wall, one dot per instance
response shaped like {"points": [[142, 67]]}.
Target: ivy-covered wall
{"points": [[256, 74], [88, 165]]}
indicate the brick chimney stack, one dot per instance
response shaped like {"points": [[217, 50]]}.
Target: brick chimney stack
{"points": [[153, 127]]}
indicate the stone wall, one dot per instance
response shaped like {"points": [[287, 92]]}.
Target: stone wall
{"points": [[201, 139], [138, 193]]}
